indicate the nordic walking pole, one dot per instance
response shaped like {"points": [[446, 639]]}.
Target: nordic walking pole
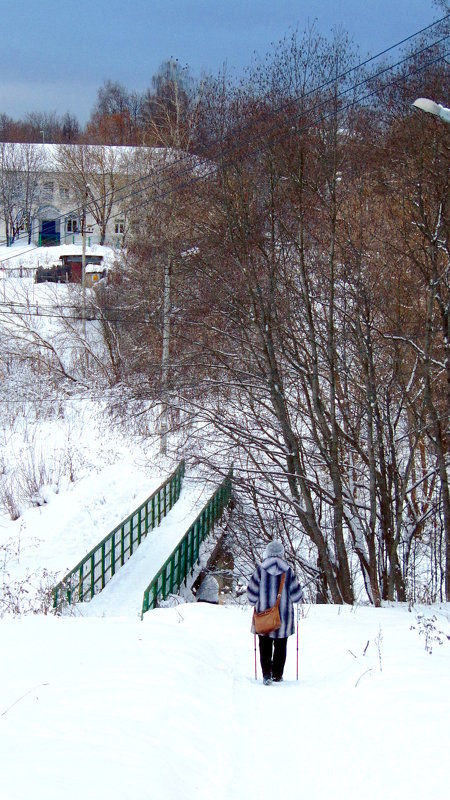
{"points": [[297, 639], [254, 646]]}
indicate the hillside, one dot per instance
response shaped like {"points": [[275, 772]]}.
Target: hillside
{"points": [[99, 703], [169, 707]]}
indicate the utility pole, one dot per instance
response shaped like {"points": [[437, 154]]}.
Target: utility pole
{"points": [[165, 354], [83, 266]]}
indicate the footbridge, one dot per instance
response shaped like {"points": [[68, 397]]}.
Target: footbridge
{"points": [[149, 555]]}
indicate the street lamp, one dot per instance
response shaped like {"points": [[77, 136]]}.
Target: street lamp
{"points": [[432, 108]]}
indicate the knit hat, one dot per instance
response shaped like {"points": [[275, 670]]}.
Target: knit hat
{"points": [[274, 549]]}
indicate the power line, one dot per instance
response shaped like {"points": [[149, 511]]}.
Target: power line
{"points": [[193, 157], [423, 67], [332, 81], [190, 157], [104, 314], [167, 192], [303, 129], [164, 193]]}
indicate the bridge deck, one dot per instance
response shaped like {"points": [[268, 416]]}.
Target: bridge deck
{"points": [[122, 596]]}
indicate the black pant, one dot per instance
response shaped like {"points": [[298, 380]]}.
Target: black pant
{"points": [[272, 653]]}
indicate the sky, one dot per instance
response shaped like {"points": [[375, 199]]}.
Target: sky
{"points": [[54, 56]]}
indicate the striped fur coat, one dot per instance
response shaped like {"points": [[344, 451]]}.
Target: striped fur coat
{"points": [[263, 588]]}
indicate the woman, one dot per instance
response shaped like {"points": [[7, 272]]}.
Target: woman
{"points": [[262, 593]]}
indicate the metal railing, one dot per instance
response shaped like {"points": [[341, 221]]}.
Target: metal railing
{"points": [[182, 560], [92, 574], [49, 239]]}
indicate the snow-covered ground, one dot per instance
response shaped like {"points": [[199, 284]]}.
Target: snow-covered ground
{"points": [[21, 254], [102, 704], [111, 477], [99, 704], [169, 707]]}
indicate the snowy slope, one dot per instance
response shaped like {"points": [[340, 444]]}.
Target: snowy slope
{"points": [[98, 704], [169, 708], [111, 481], [101, 704]]}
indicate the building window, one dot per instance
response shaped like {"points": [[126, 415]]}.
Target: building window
{"points": [[119, 226], [72, 225], [64, 193], [48, 189]]}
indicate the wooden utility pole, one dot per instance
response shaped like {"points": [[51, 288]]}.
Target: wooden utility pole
{"points": [[83, 264], [165, 355]]}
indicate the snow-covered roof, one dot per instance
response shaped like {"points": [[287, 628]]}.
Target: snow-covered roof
{"points": [[49, 155], [92, 268], [49, 158], [31, 256]]}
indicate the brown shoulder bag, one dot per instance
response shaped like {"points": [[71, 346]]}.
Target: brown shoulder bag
{"points": [[269, 620]]}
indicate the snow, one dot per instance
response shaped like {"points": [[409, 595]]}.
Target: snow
{"points": [[30, 256], [99, 703], [123, 595], [169, 707]]}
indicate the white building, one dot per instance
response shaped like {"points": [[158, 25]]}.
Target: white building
{"points": [[47, 191]]}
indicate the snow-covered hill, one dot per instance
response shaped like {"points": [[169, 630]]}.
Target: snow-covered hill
{"points": [[99, 704], [169, 707]]}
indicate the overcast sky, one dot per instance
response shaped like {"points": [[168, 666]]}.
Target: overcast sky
{"points": [[55, 54]]}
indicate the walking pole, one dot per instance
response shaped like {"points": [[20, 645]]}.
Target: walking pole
{"points": [[297, 639], [254, 644]]}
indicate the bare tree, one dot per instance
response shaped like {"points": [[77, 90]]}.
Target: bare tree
{"points": [[170, 111], [289, 298], [21, 170], [96, 174], [116, 116]]}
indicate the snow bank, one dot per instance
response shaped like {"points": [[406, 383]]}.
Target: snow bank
{"points": [[169, 708]]}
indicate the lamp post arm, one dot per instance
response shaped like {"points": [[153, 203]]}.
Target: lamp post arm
{"points": [[432, 108], [444, 113]]}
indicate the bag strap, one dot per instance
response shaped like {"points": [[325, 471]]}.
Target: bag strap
{"points": [[280, 590]]}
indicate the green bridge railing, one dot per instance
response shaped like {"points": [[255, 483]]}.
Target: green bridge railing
{"points": [[181, 562], [92, 574]]}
